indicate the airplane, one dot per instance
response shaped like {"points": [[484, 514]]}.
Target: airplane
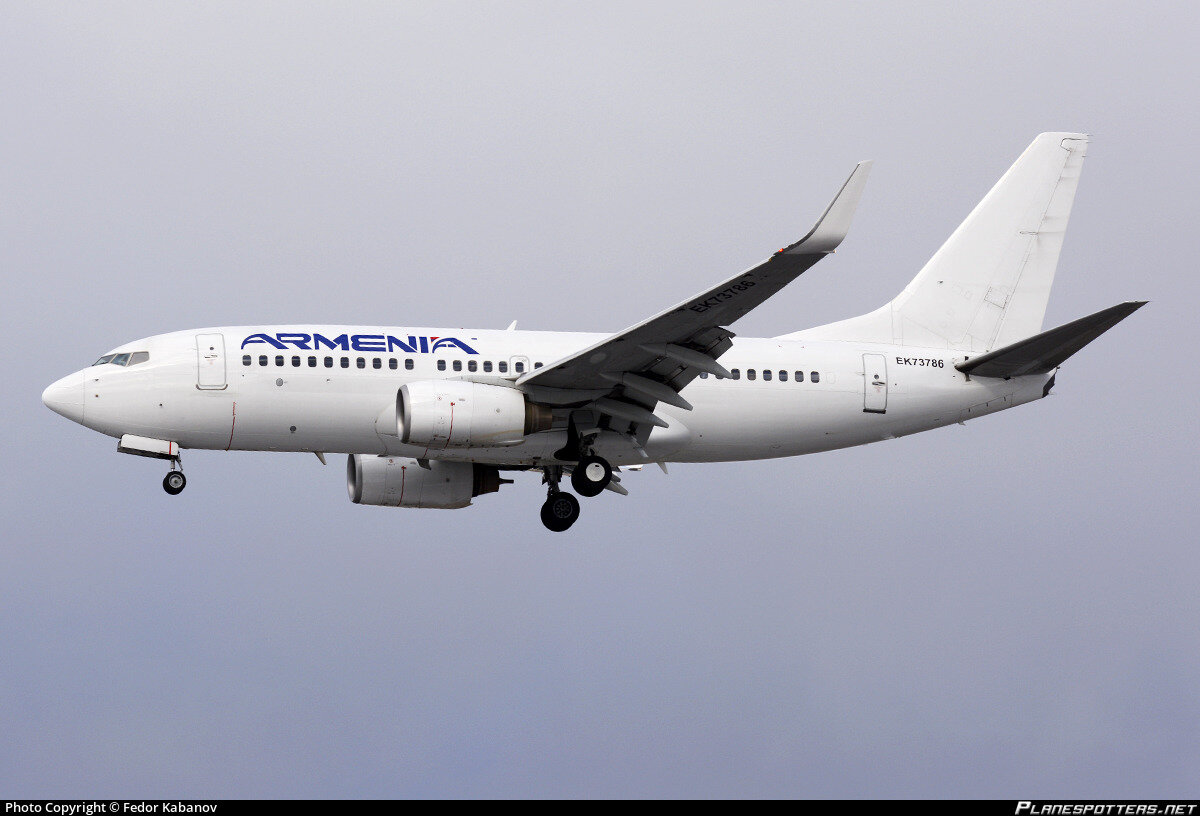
{"points": [[432, 418]]}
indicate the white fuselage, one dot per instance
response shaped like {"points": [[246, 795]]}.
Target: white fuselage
{"points": [[304, 398]]}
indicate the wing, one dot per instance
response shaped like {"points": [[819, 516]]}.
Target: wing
{"points": [[624, 376]]}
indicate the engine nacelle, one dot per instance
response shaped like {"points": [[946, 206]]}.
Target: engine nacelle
{"points": [[438, 414], [395, 481]]}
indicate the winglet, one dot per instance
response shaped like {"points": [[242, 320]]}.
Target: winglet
{"points": [[832, 227]]}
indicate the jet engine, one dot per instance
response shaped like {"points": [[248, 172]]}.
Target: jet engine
{"points": [[440, 414], [395, 481]]}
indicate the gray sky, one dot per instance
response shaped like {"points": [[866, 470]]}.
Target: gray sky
{"points": [[1003, 609]]}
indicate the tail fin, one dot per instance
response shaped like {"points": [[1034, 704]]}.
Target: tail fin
{"points": [[988, 285]]}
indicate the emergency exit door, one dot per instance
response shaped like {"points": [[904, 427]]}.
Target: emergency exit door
{"points": [[519, 364], [874, 384], [210, 362]]}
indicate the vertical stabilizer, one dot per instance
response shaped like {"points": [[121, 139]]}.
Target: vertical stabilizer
{"points": [[989, 284]]}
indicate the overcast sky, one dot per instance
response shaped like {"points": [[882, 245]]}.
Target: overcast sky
{"points": [[1007, 608]]}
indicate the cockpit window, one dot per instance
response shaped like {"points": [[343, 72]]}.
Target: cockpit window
{"points": [[126, 359]]}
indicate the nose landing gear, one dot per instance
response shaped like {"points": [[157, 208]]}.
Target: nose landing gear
{"points": [[174, 482]]}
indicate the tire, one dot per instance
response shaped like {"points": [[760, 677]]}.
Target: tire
{"points": [[560, 511], [548, 521], [591, 476], [174, 482]]}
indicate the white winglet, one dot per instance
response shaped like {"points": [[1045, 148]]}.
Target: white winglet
{"points": [[832, 227]]}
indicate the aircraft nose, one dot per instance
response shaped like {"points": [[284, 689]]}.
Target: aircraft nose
{"points": [[65, 397]]}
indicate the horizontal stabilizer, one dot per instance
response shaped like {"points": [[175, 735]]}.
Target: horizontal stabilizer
{"points": [[1047, 351]]}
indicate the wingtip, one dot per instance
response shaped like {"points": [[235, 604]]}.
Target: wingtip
{"points": [[830, 230]]}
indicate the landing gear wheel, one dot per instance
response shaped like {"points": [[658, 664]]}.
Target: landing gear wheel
{"points": [[591, 476], [174, 482], [560, 511]]}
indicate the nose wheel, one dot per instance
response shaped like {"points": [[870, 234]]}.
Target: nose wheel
{"points": [[174, 482]]}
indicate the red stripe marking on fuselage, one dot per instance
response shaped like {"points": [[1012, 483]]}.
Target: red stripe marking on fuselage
{"points": [[232, 424]]}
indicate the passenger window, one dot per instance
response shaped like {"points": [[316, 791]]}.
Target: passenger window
{"points": [[408, 364], [783, 376], [502, 367], [121, 359], [376, 362], [750, 375], [458, 365], [537, 365], [799, 376], [345, 362], [518, 367], [704, 375], [441, 365], [105, 360], [392, 364], [361, 363], [737, 373], [767, 374], [139, 357], [472, 365], [815, 376], [246, 359], [329, 362], [278, 359], [296, 361], [312, 362], [262, 359], [487, 366]]}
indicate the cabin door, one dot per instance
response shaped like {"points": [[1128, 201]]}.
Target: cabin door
{"points": [[874, 383], [210, 362]]}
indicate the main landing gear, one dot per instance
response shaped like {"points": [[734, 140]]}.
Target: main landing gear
{"points": [[560, 511], [589, 477], [174, 482]]}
